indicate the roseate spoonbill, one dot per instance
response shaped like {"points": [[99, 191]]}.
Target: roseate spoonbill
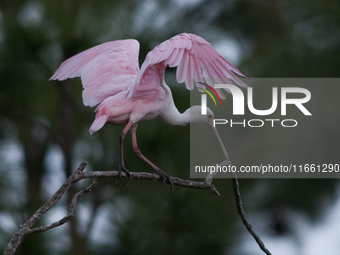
{"points": [[128, 95]]}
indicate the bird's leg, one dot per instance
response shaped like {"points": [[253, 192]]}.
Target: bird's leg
{"points": [[137, 151], [121, 162]]}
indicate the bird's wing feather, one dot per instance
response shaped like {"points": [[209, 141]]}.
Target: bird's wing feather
{"points": [[196, 60], [105, 69]]}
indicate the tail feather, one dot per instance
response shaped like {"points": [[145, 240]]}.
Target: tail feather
{"points": [[98, 122]]}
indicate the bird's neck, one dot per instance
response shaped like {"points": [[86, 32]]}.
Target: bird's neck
{"points": [[175, 118], [172, 116]]}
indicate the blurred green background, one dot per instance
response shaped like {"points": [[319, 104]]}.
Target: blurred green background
{"points": [[44, 129]]}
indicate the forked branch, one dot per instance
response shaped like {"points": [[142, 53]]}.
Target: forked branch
{"points": [[79, 174]]}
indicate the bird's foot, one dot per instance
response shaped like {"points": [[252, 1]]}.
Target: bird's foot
{"points": [[164, 176], [122, 168]]}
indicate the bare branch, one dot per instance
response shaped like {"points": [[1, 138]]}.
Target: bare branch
{"points": [[149, 176], [79, 174], [239, 206], [240, 210], [20, 235], [69, 216]]}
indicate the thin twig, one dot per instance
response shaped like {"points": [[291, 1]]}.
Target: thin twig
{"points": [[239, 206], [240, 210]]}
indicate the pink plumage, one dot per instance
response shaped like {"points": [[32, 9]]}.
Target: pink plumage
{"points": [[105, 70], [111, 77], [195, 59]]}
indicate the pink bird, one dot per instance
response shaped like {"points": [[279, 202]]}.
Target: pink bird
{"points": [[127, 95]]}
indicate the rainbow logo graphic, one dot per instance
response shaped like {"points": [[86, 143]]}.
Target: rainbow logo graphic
{"points": [[209, 93]]}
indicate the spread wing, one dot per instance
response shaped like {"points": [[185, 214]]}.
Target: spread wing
{"points": [[105, 70], [196, 60]]}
